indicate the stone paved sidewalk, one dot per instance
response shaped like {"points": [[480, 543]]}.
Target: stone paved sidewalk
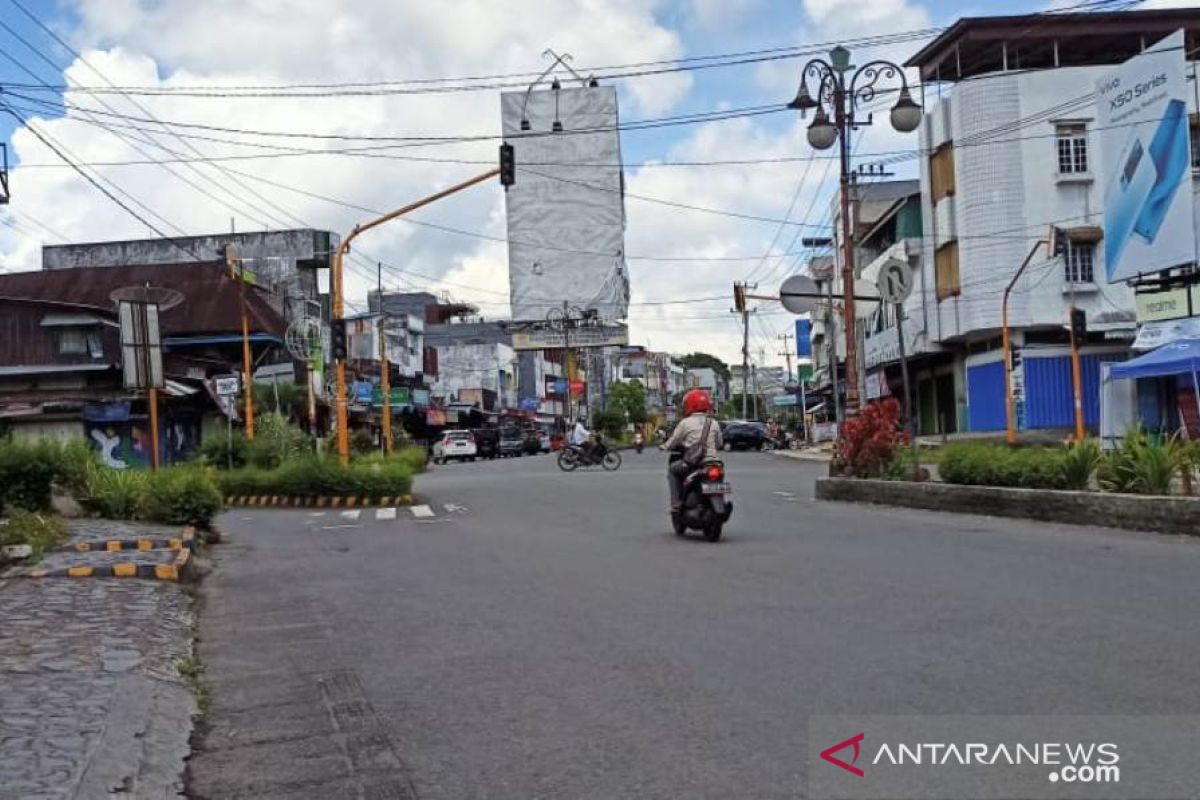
{"points": [[91, 704]]}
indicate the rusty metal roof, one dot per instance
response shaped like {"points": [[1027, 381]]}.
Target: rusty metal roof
{"points": [[211, 300]]}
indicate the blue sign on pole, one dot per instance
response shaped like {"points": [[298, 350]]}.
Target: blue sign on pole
{"points": [[803, 337]]}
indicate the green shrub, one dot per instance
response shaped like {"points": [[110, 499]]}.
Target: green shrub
{"points": [[982, 464], [1079, 462], [414, 457], [276, 441], [362, 442], [182, 495], [217, 451], [309, 477], [42, 532], [28, 469]]}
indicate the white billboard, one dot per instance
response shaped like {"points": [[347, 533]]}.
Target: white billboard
{"points": [[1142, 117], [566, 210]]}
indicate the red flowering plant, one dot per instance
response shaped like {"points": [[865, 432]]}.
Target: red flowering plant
{"points": [[868, 442]]}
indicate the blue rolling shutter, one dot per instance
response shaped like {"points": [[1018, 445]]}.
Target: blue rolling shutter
{"points": [[985, 397]]}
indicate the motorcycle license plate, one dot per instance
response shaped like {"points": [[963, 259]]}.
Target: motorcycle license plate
{"points": [[716, 488]]}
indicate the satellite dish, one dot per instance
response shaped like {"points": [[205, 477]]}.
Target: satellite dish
{"points": [[159, 296], [799, 294]]}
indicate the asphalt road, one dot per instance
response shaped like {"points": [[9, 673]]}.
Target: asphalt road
{"points": [[546, 635]]}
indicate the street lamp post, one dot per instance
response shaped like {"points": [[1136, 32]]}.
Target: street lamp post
{"points": [[845, 89]]}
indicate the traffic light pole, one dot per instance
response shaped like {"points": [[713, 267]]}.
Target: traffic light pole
{"points": [[339, 297], [1010, 412]]}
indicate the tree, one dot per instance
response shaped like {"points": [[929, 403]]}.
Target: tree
{"points": [[704, 361], [628, 398]]}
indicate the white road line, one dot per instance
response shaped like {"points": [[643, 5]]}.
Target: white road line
{"points": [[316, 513], [452, 508], [336, 527], [385, 513], [422, 512], [351, 514]]}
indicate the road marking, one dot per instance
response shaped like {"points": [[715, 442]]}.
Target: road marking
{"points": [[316, 513], [451, 508], [422, 512], [336, 527], [385, 513], [351, 514], [784, 494]]}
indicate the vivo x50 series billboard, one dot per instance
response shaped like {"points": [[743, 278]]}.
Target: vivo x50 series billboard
{"points": [[566, 209], [1142, 117]]}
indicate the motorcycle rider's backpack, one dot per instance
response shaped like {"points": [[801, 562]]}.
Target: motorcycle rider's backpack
{"points": [[694, 455]]}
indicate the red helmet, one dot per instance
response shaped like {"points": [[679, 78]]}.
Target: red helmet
{"points": [[697, 401]]}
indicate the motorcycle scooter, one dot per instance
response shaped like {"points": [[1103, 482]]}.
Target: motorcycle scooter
{"points": [[706, 506]]}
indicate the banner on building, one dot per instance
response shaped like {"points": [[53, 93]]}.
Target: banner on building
{"points": [[585, 336], [1142, 120]]}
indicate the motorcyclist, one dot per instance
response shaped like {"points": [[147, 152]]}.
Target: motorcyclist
{"points": [[697, 408], [581, 437]]}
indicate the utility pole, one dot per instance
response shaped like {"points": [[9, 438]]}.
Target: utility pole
{"points": [[385, 370], [787, 352], [234, 264]]}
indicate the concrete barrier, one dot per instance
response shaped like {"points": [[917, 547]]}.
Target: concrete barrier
{"points": [[1178, 515]]}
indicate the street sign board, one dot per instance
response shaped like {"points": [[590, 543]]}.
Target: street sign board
{"points": [[226, 385], [582, 336], [895, 281], [785, 400], [804, 338], [804, 372], [141, 350], [798, 294]]}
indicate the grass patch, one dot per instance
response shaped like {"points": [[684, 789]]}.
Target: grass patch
{"points": [[40, 531], [191, 670]]}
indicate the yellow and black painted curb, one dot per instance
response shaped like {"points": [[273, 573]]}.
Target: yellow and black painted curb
{"points": [[187, 540], [318, 501], [161, 572]]}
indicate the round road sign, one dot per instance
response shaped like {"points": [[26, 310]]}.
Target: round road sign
{"points": [[798, 294], [895, 281]]}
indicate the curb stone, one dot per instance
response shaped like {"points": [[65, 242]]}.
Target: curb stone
{"points": [[174, 571], [318, 501], [187, 540]]}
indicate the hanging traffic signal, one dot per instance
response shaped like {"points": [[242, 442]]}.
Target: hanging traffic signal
{"points": [[337, 339], [1078, 325], [508, 165], [1058, 242]]}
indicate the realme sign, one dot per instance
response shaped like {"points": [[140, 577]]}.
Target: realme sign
{"points": [[1171, 304]]}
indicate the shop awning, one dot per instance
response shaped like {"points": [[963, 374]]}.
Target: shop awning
{"points": [[1177, 358]]}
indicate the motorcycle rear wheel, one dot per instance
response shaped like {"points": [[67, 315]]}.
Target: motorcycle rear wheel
{"points": [[678, 524], [567, 460], [611, 461], [712, 532]]}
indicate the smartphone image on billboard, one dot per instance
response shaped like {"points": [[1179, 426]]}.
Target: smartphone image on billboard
{"points": [[1170, 151], [1126, 198]]}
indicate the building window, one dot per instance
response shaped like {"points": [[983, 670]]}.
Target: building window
{"points": [[1071, 141], [946, 269], [1080, 262], [72, 342], [1194, 130], [941, 172]]}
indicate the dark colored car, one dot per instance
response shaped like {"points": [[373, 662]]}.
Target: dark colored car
{"points": [[740, 435], [532, 442], [487, 440], [512, 442]]}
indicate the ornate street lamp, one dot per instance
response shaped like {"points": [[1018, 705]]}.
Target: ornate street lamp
{"points": [[844, 90]]}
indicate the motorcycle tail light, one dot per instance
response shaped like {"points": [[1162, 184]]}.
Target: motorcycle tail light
{"points": [[714, 473]]}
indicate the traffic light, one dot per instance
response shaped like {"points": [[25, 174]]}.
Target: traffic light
{"points": [[1078, 326], [337, 339], [1058, 242], [739, 297], [508, 165]]}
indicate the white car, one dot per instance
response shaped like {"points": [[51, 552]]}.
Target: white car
{"points": [[455, 444]]}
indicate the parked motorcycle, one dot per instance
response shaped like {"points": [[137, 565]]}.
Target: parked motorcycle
{"points": [[706, 507], [573, 456]]}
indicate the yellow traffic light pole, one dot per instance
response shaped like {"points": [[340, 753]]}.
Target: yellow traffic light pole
{"points": [[339, 300]]}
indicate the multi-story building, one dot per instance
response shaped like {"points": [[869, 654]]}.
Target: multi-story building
{"points": [[1008, 149]]}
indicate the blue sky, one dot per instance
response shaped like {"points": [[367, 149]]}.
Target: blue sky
{"points": [[182, 42]]}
